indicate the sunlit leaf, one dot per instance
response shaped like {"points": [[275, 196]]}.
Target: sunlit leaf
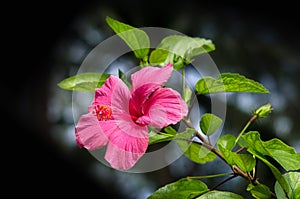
{"points": [[84, 82], [227, 141], [293, 179], [285, 155], [135, 38], [193, 151], [179, 50], [259, 191], [246, 162], [220, 195], [159, 57], [228, 82], [209, 123], [283, 183], [184, 188]]}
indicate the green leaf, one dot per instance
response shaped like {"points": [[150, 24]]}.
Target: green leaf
{"points": [[159, 137], [228, 82], [285, 155], [244, 161], [184, 189], [220, 194], [156, 137], [227, 141], [293, 179], [159, 57], [170, 130], [209, 123], [84, 82], [179, 50], [193, 151], [283, 183], [259, 191], [135, 38], [123, 78]]}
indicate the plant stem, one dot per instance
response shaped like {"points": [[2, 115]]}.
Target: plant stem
{"points": [[190, 125], [211, 176], [224, 181], [204, 142], [182, 82], [254, 117]]}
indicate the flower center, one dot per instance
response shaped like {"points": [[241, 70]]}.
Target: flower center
{"points": [[103, 112]]}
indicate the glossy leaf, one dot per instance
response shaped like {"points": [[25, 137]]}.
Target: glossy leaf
{"points": [[227, 141], [84, 82], [135, 38], [285, 155], [193, 151], [179, 50], [209, 123], [293, 179], [184, 188], [220, 194], [228, 82], [259, 191]]}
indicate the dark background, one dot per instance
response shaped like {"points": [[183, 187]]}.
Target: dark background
{"points": [[34, 166]]}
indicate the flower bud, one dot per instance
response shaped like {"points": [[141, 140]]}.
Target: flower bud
{"points": [[263, 111]]}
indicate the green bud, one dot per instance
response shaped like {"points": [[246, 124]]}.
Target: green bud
{"points": [[263, 111]]}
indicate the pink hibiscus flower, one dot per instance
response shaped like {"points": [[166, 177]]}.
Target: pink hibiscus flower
{"points": [[118, 117]]}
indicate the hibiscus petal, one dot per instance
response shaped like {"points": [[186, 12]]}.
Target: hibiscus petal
{"points": [[152, 75], [127, 144], [104, 94], [114, 93], [89, 134], [165, 107], [139, 96]]}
